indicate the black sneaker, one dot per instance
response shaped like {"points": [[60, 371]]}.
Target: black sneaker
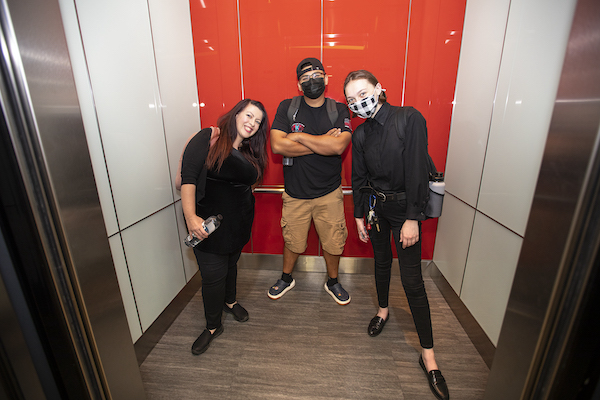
{"points": [[338, 293], [280, 288], [239, 313], [201, 344]]}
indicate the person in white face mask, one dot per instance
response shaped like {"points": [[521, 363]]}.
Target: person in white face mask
{"points": [[390, 188]]}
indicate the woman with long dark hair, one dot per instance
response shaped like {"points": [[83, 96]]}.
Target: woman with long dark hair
{"points": [[219, 168], [390, 177]]}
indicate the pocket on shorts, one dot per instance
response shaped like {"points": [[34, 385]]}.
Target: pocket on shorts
{"points": [[286, 232], [338, 234]]}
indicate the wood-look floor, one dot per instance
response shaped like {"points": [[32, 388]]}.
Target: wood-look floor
{"points": [[306, 346]]}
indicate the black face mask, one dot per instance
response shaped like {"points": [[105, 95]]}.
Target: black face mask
{"points": [[313, 88]]}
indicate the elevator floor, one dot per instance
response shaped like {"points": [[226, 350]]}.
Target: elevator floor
{"points": [[306, 346]]}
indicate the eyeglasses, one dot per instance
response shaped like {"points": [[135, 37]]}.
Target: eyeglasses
{"points": [[314, 75]]}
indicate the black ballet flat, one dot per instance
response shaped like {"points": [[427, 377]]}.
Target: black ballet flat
{"points": [[376, 325], [436, 380]]}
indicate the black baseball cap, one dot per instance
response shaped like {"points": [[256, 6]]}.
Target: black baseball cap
{"points": [[308, 64]]}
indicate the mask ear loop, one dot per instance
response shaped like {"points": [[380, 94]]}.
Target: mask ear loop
{"points": [[378, 86]]}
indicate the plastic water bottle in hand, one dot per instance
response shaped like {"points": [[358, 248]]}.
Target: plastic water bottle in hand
{"points": [[210, 224]]}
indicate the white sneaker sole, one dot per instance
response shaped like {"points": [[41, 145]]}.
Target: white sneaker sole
{"points": [[340, 302], [275, 297]]}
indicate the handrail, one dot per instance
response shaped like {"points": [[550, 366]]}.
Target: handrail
{"points": [[347, 190]]}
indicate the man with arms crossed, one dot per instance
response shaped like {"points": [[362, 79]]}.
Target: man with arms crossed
{"points": [[311, 133]]}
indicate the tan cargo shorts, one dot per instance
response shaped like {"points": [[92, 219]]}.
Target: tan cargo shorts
{"points": [[327, 212]]}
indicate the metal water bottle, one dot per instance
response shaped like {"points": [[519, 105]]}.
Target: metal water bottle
{"points": [[437, 187], [210, 224], [289, 161]]}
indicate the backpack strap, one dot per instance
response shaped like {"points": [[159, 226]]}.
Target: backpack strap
{"points": [[332, 110], [331, 106], [293, 109]]}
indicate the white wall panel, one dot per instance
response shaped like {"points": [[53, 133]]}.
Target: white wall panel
{"points": [[88, 112], [116, 248], [534, 49], [118, 46], [135, 75], [174, 52], [480, 54], [452, 240], [490, 270], [153, 253]]}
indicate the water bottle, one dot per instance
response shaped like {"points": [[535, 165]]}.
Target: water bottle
{"points": [[210, 224], [437, 187], [289, 161]]}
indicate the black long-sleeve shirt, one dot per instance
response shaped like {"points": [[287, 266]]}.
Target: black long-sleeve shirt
{"points": [[391, 164]]}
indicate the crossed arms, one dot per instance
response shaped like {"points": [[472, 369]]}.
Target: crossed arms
{"points": [[297, 144]]}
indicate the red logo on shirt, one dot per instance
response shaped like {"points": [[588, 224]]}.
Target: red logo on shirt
{"points": [[298, 127], [347, 123]]}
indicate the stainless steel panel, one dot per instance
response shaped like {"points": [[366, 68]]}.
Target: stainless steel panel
{"points": [[278, 189], [550, 256], [56, 167]]}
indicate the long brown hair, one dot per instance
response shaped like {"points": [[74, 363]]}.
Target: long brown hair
{"points": [[364, 74], [254, 149]]}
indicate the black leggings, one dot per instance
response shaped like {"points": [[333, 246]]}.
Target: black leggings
{"points": [[391, 217], [219, 278]]}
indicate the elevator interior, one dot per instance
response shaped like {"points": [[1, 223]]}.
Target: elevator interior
{"points": [[60, 295]]}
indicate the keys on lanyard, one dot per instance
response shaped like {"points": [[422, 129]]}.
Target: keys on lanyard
{"points": [[371, 216]]}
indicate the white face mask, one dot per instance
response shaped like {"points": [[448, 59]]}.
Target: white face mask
{"points": [[365, 108]]}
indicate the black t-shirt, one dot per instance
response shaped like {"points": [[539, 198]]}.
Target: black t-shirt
{"points": [[313, 175]]}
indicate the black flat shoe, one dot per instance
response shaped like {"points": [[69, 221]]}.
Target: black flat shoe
{"points": [[376, 325], [201, 344], [436, 380], [239, 313]]}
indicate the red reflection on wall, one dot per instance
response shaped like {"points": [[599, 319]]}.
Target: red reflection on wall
{"points": [[412, 47], [217, 56], [276, 35]]}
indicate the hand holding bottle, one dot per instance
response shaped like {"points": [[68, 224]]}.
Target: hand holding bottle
{"points": [[208, 226]]}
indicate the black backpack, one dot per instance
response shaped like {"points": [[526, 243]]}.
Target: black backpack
{"points": [[295, 105], [401, 119]]}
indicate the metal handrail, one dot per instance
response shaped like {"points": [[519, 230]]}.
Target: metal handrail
{"points": [[347, 190]]}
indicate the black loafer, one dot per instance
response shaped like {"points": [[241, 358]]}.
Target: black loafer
{"points": [[239, 313], [376, 325], [436, 380], [201, 344]]}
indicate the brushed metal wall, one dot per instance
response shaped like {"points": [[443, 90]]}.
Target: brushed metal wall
{"points": [[54, 160], [559, 247]]}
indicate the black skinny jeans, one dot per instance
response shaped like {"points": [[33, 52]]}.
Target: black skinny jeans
{"points": [[391, 217], [219, 279]]}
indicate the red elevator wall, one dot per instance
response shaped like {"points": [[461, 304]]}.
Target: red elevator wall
{"points": [[250, 49]]}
